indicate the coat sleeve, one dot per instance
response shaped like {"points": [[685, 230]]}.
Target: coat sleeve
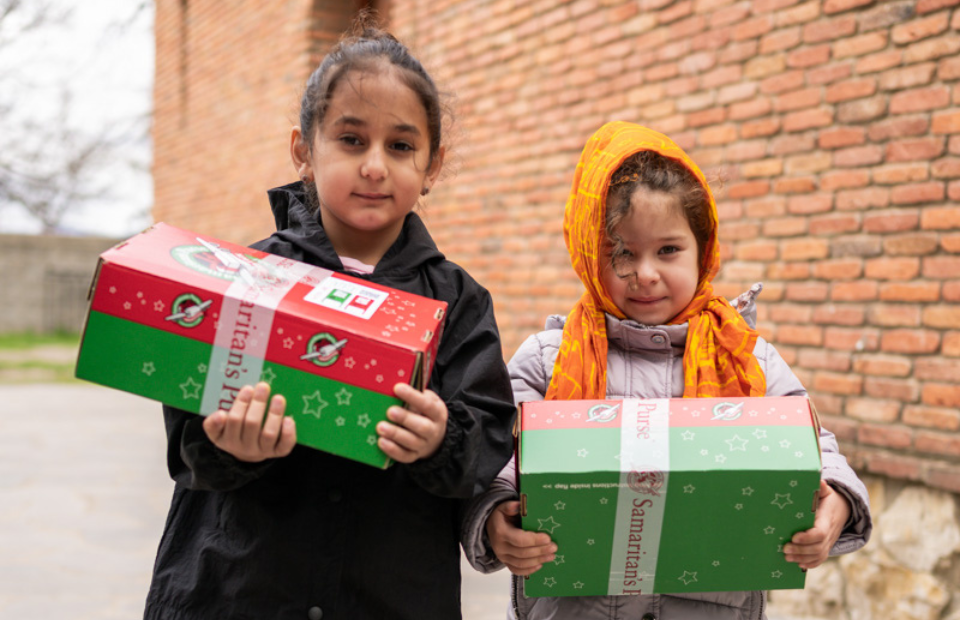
{"points": [[471, 378], [836, 471], [529, 380], [195, 463]]}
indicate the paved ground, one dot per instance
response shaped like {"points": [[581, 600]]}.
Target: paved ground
{"points": [[83, 497]]}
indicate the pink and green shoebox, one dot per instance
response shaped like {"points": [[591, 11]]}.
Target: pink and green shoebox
{"points": [[669, 495], [187, 320]]}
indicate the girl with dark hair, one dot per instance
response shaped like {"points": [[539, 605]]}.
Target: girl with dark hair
{"points": [[262, 528]]}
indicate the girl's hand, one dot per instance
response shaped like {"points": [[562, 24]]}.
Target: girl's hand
{"points": [[524, 553], [810, 549], [418, 430], [245, 434]]}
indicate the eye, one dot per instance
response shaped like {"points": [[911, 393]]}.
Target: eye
{"points": [[669, 249], [403, 147], [350, 140]]}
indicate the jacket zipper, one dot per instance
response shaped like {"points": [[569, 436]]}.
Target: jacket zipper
{"points": [[763, 599], [514, 594]]}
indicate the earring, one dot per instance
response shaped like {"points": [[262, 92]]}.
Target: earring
{"points": [[424, 191], [306, 179]]}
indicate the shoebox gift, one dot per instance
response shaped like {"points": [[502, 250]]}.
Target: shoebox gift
{"points": [[669, 495], [188, 320]]}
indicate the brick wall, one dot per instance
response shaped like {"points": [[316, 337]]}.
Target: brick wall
{"points": [[831, 130]]}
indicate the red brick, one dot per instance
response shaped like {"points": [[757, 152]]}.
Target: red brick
{"points": [[914, 244], [948, 69], [780, 40], [808, 204], [951, 291], [749, 189], [914, 149], [894, 465], [807, 119], [813, 162], [838, 383], [864, 290], [861, 110], [788, 144], [951, 344], [872, 409], [799, 335], [804, 249], [885, 436], [745, 151], [853, 89], [798, 100], [757, 251], [931, 49], [859, 45], [842, 314], [941, 394], [946, 122], [919, 100], [782, 82], [835, 224], [722, 134], [942, 317], [937, 369], [808, 56], [908, 77], [837, 137], [838, 6], [798, 185], [807, 291], [771, 206], [951, 243], [943, 476], [920, 29], [855, 156], [752, 28], [922, 341], [878, 62], [916, 193], [818, 359], [891, 221], [947, 218], [941, 267], [828, 30], [946, 168], [883, 365], [762, 168], [844, 179], [953, 191], [710, 116], [789, 271], [902, 390], [910, 291], [932, 417], [938, 443], [753, 108], [828, 74], [739, 230], [900, 174], [929, 6], [856, 245], [894, 315]]}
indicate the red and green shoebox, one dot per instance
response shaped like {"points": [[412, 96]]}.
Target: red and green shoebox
{"points": [[669, 495], [188, 320]]}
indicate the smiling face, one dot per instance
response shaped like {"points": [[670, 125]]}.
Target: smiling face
{"points": [[651, 269], [370, 160]]}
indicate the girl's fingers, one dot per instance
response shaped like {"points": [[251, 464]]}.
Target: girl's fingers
{"points": [[214, 424], [426, 403], [396, 451], [273, 425], [288, 437]]}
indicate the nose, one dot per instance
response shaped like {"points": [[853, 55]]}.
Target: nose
{"points": [[647, 273], [374, 166]]}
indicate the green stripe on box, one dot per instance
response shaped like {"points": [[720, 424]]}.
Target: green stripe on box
{"points": [[132, 357], [570, 450], [330, 416]]}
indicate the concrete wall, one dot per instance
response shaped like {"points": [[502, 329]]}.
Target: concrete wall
{"points": [[45, 281]]}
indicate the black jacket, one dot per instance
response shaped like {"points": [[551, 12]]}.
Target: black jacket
{"points": [[312, 534]]}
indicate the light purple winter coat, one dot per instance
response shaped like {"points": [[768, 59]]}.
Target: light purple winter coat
{"points": [[646, 362]]}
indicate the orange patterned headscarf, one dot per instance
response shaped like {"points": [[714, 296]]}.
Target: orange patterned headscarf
{"points": [[718, 359]]}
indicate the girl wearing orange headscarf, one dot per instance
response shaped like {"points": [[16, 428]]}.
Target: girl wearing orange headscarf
{"points": [[641, 228]]}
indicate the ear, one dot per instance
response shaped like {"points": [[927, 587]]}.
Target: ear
{"points": [[300, 154], [435, 167]]}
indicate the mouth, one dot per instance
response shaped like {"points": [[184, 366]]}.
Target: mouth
{"points": [[371, 195], [646, 301]]}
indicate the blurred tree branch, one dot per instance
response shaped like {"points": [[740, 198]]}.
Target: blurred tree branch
{"points": [[50, 164]]}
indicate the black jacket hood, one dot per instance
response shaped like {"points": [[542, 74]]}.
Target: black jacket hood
{"points": [[301, 235]]}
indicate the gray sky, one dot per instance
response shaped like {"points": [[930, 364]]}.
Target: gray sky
{"points": [[105, 53]]}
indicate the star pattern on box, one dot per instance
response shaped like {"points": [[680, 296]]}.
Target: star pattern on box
{"points": [[549, 582], [760, 433], [738, 506], [191, 389], [582, 453], [604, 500], [716, 563], [340, 420], [689, 488], [785, 443], [158, 306], [269, 376], [314, 404], [559, 506], [688, 435], [578, 585], [748, 491], [799, 515], [350, 363], [372, 440], [343, 396], [793, 483], [148, 368], [720, 459], [687, 577], [547, 525], [558, 560], [782, 500], [737, 443], [288, 343], [591, 542], [363, 420], [202, 369], [776, 574], [769, 530]]}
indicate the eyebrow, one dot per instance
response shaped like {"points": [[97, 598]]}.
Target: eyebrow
{"points": [[358, 122]]}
